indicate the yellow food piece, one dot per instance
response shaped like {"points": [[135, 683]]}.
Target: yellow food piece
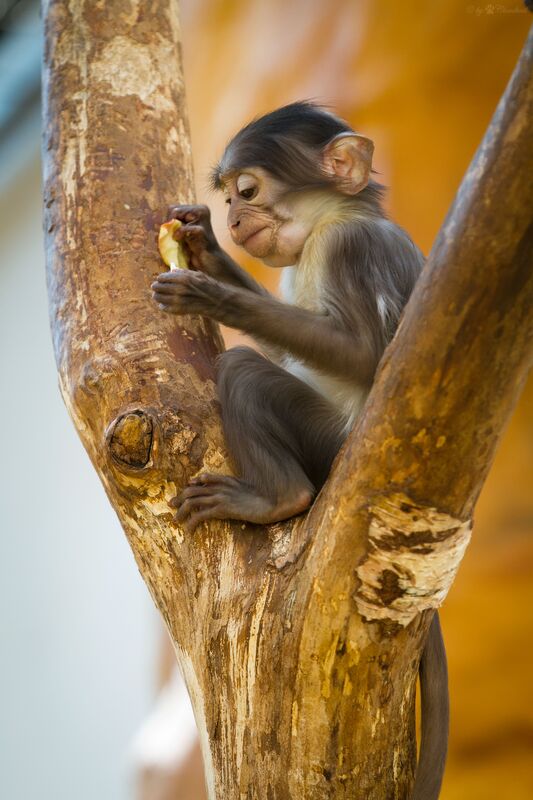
{"points": [[171, 250]]}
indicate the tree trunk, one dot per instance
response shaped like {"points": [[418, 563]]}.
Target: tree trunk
{"points": [[300, 641]]}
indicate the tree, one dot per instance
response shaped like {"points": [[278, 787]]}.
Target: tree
{"points": [[299, 642]]}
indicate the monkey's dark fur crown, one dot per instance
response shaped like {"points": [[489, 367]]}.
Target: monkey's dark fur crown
{"points": [[287, 143]]}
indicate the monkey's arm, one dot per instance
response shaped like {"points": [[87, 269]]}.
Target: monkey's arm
{"points": [[313, 338], [227, 270]]}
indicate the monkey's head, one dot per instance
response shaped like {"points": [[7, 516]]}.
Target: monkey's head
{"points": [[284, 173]]}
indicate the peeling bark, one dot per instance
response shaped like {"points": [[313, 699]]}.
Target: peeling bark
{"points": [[300, 642], [413, 556]]}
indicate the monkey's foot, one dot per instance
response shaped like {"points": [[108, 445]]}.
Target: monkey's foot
{"points": [[224, 497]]}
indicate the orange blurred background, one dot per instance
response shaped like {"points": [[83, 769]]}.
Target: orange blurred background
{"points": [[422, 79]]}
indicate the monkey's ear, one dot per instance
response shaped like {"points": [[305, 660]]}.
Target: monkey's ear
{"points": [[348, 157]]}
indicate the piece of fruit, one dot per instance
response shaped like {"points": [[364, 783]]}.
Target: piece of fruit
{"points": [[171, 250]]}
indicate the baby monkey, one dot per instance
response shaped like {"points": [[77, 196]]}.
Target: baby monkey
{"points": [[300, 194], [300, 197]]}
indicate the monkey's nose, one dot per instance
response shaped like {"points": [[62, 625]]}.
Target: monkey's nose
{"points": [[235, 224]]}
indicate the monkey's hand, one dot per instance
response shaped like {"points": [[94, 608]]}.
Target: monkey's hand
{"points": [[197, 238], [203, 251], [186, 292]]}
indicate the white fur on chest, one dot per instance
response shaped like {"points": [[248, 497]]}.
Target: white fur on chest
{"points": [[301, 286], [347, 398]]}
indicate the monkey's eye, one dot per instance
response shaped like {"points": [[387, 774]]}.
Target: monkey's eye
{"points": [[247, 186], [248, 193]]}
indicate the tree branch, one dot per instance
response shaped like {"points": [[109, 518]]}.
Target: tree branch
{"points": [[295, 692]]}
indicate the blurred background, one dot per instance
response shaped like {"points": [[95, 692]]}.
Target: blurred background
{"points": [[83, 653]]}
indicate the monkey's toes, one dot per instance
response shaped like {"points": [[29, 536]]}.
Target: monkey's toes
{"points": [[211, 479]]}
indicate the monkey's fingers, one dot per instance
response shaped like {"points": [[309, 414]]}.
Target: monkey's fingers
{"points": [[182, 305], [170, 289], [189, 492], [208, 496], [180, 279], [194, 504], [177, 276], [165, 292], [194, 510], [177, 293], [209, 478], [197, 284], [188, 213], [179, 305], [173, 288], [190, 233], [193, 241], [170, 300]]}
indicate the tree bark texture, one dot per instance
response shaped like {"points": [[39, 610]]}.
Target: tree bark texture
{"points": [[299, 642]]}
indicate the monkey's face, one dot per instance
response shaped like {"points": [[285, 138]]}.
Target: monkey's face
{"points": [[264, 219]]}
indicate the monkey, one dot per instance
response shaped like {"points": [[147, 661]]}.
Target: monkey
{"points": [[302, 198]]}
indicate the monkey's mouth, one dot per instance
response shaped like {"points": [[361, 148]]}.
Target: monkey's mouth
{"points": [[251, 236]]}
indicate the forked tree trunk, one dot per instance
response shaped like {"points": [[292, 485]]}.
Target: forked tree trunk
{"points": [[299, 642]]}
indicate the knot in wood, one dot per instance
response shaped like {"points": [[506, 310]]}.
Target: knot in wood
{"points": [[130, 439]]}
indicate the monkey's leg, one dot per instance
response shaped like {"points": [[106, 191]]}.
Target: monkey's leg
{"points": [[283, 437]]}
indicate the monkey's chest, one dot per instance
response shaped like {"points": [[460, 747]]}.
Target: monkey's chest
{"points": [[343, 395], [303, 287]]}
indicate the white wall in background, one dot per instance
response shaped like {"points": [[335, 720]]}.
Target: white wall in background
{"points": [[78, 635]]}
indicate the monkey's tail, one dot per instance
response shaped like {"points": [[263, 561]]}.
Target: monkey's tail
{"points": [[435, 716]]}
